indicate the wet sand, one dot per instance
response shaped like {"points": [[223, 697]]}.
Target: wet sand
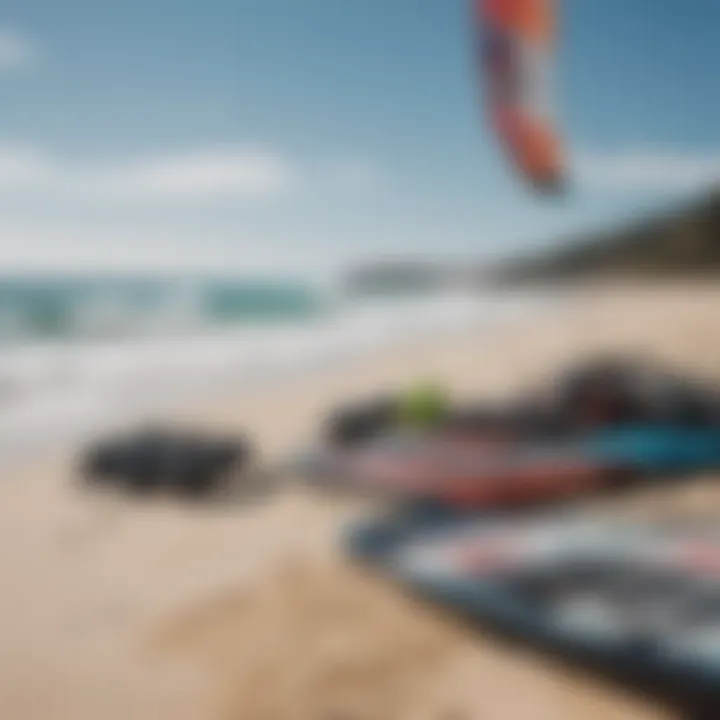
{"points": [[114, 607]]}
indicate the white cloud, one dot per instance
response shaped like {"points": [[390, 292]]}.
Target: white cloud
{"points": [[16, 51], [647, 170], [31, 245], [204, 175], [198, 176], [61, 213]]}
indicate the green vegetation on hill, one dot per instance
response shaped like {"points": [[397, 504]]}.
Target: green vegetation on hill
{"points": [[681, 242]]}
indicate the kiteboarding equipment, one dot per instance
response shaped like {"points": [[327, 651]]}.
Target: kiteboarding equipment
{"points": [[642, 600], [615, 390], [154, 458], [495, 472], [353, 424], [600, 392], [518, 45], [424, 405], [599, 423]]}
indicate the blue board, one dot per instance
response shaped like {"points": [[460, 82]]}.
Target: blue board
{"points": [[656, 450]]}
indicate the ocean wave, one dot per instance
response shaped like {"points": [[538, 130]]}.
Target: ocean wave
{"points": [[63, 388], [41, 309]]}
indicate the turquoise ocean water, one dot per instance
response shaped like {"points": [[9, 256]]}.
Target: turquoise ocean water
{"points": [[76, 308]]}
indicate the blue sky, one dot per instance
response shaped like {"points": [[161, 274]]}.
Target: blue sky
{"points": [[243, 133]]}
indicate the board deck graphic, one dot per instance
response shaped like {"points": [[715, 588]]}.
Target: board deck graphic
{"points": [[643, 597]]}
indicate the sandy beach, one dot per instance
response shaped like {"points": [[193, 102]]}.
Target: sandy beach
{"points": [[124, 609]]}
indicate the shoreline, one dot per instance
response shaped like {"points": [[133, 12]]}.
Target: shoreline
{"points": [[259, 372]]}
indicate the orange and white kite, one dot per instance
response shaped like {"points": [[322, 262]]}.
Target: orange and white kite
{"points": [[518, 47]]}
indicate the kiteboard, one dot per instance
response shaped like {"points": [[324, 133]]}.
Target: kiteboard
{"points": [[643, 600], [492, 472]]}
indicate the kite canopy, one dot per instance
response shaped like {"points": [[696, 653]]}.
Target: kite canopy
{"points": [[518, 46]]}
